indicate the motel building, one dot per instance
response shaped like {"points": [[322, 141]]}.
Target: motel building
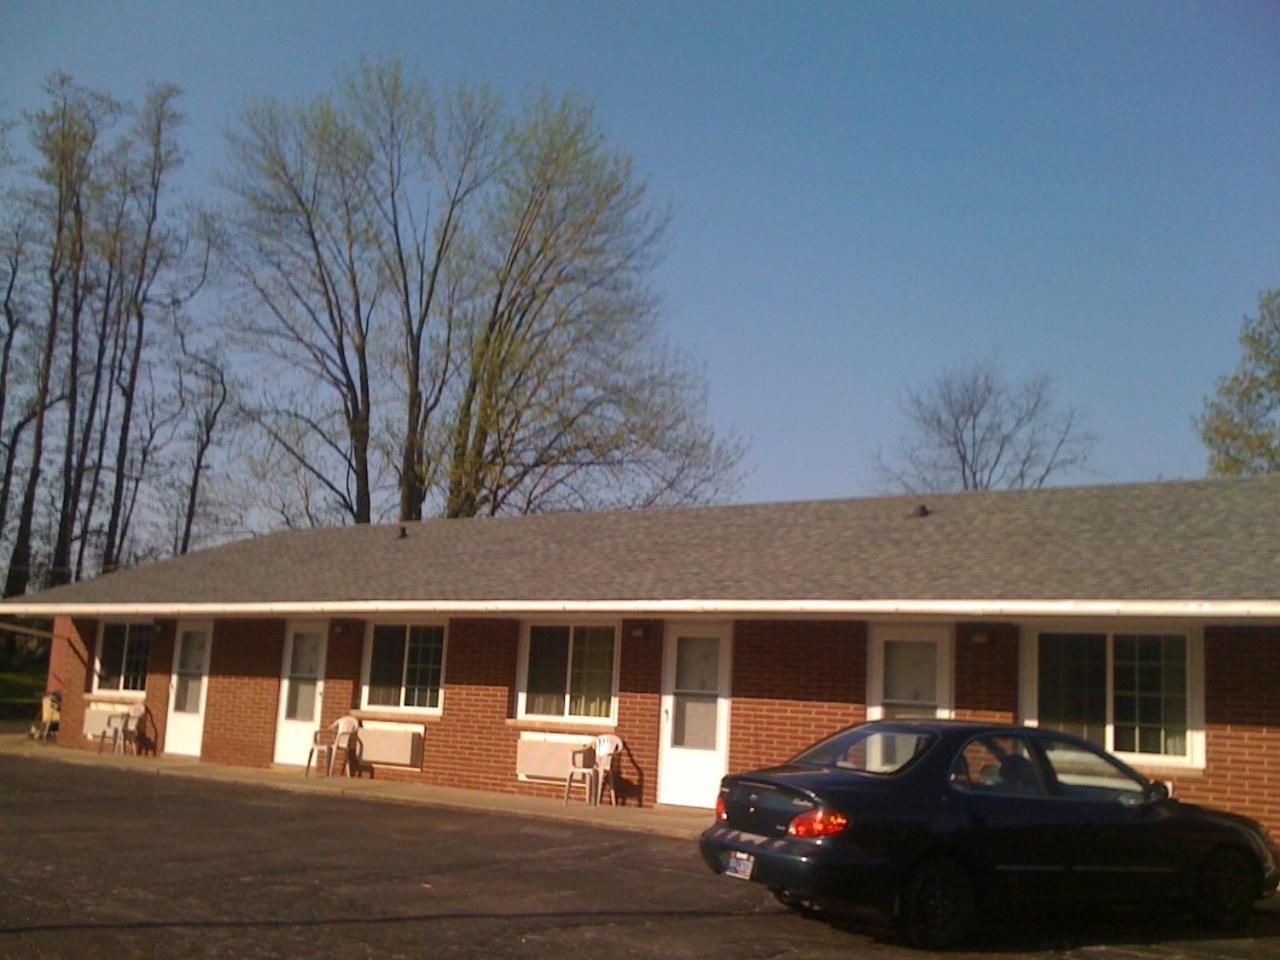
{"points": [[479, 653]]}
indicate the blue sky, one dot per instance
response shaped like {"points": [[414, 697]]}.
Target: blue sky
{"points": [[863, 194]]}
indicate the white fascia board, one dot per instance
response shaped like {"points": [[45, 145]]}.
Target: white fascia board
{"points": [[1208, 609]]}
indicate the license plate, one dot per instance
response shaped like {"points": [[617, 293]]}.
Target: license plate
{"points": [[739, 865]]}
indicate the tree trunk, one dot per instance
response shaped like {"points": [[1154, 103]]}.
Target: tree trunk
{"points": [[72, 466], [19, 573], [111, 550]]}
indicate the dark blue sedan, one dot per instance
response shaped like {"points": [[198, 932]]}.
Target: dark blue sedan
{"points": [[933, 821]]}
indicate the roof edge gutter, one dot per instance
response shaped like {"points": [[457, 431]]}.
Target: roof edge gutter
{"points": [[1213, 609]]}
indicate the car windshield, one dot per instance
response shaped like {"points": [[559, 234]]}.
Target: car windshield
{"points": [[868, 751]]}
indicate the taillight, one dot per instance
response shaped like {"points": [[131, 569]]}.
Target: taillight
{"points": [[722, 813], [818, 823]]}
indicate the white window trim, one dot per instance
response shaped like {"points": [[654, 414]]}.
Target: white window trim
{"points": [[1029, 685], [522, 673], [367, 656], [122, 694], [191, 626], [942, 636]]}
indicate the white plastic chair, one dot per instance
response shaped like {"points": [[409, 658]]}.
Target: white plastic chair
{"points": [[592, 766], [342, 734], [123, 729], [609, 749]]}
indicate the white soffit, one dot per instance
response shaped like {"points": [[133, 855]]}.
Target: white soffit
{"points": [[1232, 609]]}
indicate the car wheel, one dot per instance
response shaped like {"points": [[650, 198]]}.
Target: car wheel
{"points": [[938, 904], [801, 905], [1225, 892]]}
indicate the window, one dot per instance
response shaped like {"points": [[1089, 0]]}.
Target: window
{"points": [[1150, 687], [569, 672], [123, 652], [1085, 775], [1073, 684], [868, 751], [405, 666], [909, 672], [910, 679], [1125, 692], [997, 765]]}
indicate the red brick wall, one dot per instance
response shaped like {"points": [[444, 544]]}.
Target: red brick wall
{"points": [[473, 744], [159, 666], [59, 654], [70, 670], [986, 672], [794, 682], [244, 690], [342, 664], [1242, 726], [640, 703]]}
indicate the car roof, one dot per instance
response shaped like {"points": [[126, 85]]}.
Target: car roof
{"points": [[951, 726]]}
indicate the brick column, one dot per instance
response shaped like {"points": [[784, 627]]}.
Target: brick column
{"points": [[794, 682], [70, 670], [159, 668], [244, 692], [986, 672]]}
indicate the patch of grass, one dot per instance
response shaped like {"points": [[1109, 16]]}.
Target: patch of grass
{"points": [[22, 685], [20, 692]]}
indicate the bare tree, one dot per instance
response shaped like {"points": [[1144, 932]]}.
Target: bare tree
{"points": [[112, 243], [157, 251], [429, 163], [973, 430], [91, 247], [14, 252], [565, 399], [66, 136], [83, 280], [203, 384], [297, 240], [161, 407], [496, 263]]}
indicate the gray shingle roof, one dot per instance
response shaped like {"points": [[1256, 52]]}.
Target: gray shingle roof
{"points": [[1208, 540]]}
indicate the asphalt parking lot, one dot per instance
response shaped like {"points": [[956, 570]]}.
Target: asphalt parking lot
{"points": [[107, 863]]}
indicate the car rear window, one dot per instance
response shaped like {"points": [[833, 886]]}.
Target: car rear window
{"points": [[868, 751]]}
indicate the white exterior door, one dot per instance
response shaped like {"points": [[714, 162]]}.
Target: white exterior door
{"points": [[188, 689], [695, 714], [301, 691], [909, 673]]}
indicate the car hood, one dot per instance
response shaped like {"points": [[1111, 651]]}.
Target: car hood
{"points": [[1221, 818]]}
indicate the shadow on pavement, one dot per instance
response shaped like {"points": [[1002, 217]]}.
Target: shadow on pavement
{"points": [[1037, 930], [561, 918]]}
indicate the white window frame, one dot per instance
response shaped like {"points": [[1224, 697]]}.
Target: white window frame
{"points": [[522, 673], [367, 659], [1029, 684], [943, 636], [97, 657]]}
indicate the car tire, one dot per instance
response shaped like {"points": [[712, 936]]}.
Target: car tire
{"points": [[939, 905], [1225, 891], [801, 905]]}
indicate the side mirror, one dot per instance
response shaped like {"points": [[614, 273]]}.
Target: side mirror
{"points": [[1155, 792]]}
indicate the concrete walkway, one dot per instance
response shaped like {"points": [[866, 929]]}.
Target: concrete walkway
{"points": [[678, 822]]}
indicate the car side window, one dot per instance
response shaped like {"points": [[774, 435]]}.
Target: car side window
{"points": [[1084, 774], [998, 765]]}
